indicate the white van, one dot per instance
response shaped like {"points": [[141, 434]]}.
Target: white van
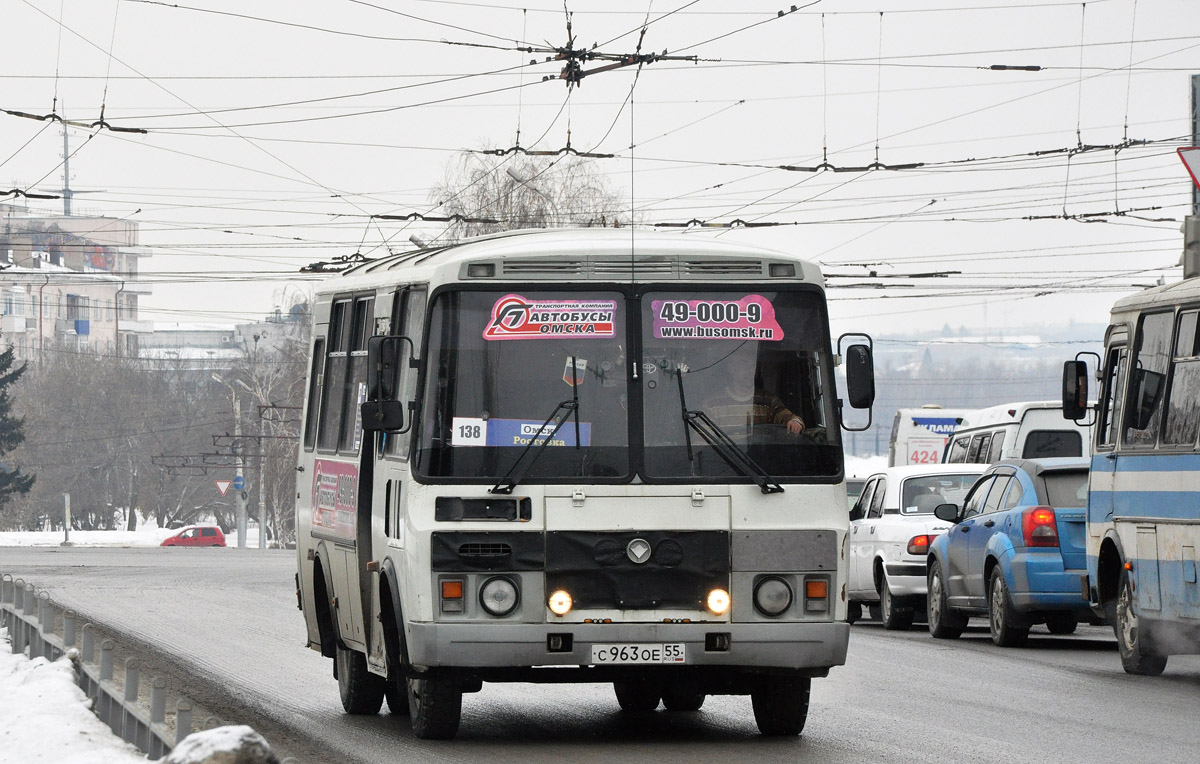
{"points": [[919, 435], [1028, 430]]}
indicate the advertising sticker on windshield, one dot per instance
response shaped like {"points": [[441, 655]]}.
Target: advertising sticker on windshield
{"points": [[750, 318], [516, 318]]}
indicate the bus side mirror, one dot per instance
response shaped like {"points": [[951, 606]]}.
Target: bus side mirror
{"points": [[382, 412], [860, 376], [1075, 390]]}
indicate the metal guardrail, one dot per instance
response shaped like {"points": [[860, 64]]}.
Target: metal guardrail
{"points": [[30, 617]]}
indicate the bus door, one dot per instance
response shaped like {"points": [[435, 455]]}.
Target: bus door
{"points": [[336, 470], [1108, 428], [384, 510]]}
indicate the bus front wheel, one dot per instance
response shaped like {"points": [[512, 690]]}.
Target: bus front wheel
{"points": [[1136, 656], [781, 705], [434, 707]]}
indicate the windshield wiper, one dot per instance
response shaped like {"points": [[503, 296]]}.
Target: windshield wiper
{"points": [[733, 454], [507, 483]]}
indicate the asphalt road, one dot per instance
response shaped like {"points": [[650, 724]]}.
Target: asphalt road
{"points": [[227, 619]]}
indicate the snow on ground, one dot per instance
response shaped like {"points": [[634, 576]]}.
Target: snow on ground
{"points": [[47, 718]]}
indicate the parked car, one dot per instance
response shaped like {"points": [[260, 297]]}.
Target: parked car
{"points": [[196, 535], [892, 525], [1016, 553]]}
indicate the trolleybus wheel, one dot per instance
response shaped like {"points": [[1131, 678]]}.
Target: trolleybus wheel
{"points": [[1131, 639], [360, 690], [682, 698], [944, 623], [637, 697], [435, 707], [781, 705]]}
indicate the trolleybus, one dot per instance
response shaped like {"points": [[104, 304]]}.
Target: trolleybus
{"points": [[576, 456], [1143, 516]]}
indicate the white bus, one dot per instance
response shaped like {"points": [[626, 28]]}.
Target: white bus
{"points": [[1023, 430], [576, 456], [919, 435], [1143, 517]]}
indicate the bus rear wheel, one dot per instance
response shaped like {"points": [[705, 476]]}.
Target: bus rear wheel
{"points": [[360, 690], [1136, 656], [434, 707], [781, 705]]}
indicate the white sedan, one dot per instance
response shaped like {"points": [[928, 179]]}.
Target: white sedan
{"points": [[892, 526]]}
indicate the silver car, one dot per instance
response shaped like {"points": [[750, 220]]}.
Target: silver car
{"points": [[892, 526]]}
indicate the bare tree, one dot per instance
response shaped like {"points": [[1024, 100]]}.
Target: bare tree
{"points": [[501, 193]]}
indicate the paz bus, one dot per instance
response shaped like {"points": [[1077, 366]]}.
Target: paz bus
{"points": [[1143, 515], [576, 456]]}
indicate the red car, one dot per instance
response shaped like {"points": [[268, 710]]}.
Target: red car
{"points": [[197, 535]]}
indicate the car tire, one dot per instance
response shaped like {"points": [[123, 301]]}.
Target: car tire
{"points": [[637, 697], [1061, 623], [434, 707], [896, 615], [944, 623], [1136, 653], [360, 690], [682, 698], [781, 705], [1008, 630]]}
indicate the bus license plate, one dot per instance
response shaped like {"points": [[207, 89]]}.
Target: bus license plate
{"points": [[671, 652]]}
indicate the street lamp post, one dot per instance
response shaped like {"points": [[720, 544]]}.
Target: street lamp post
{"points": [[239, 477]]}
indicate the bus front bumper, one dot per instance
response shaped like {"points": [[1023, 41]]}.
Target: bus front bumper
{"points": [[799, 646]]}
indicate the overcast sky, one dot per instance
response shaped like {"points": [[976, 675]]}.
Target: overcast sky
{"points": [[275, 129]]}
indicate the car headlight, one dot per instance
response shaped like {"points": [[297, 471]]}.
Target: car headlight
{"points": [[499, 596], [772, 596]]}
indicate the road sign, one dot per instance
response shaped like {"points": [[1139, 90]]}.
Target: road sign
{"points": [[223, 486], [1191, 160], [239, 483]]}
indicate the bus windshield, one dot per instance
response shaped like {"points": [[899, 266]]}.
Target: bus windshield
{"points": [[748, 363], [499, 364], [546, 384]]}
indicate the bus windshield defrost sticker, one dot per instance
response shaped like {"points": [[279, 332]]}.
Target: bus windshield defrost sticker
{"points": [[516, 318], [750, 318]]}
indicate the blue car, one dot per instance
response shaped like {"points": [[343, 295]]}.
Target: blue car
{"points": [[1015, 554]]}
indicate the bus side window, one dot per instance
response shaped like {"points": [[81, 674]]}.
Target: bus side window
{"points": [[1110, 409], [1151, 361], [334, 376], [1180, 425], [314, 394], [355, 391], [407, 320]]}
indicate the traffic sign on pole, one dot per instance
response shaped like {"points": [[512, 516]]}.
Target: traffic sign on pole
{"points": [[239, 483], [223, 486], [1191, 160]]}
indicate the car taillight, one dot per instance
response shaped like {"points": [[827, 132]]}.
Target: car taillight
{"points": [[920, 544], [1039, 527]]}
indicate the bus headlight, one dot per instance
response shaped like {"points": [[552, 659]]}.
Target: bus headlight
{"points": [[560, 602], [718, 601], [772, 596], [499, 596]]}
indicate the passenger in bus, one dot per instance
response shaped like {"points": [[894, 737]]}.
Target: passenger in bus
{"points": [[742, 402]]}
